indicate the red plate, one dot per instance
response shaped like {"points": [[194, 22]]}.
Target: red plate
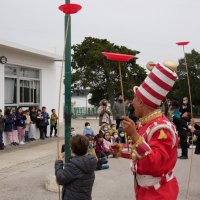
{"points": [[70, 8], [182, 43], [118, 56]]}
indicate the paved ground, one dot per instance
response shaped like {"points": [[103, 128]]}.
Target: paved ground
{"points": [[23, 171]]}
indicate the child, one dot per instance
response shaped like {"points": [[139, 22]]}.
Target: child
{"points": [[27, 125], [101, 162], [122, 135], [87, 131], [99, 146], [107, 142], [113, 129], [77, 176], [46, 120], [73, 132], [20, 123], [104, 128], [112, 148], [53, 123], [9, 127], [1, 130], [115, 138], [91, 149]]}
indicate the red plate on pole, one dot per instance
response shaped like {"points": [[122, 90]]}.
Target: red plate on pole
{"points": [[182, 43], [70, 8], [118, 56]]}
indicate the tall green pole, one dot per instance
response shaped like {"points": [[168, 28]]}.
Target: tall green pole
{"points": [[67, 110]]}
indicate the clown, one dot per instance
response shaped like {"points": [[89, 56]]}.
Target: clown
{"points": [[155, 142]]}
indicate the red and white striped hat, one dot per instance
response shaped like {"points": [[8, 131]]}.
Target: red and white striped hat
{"points": [[156, 85]]}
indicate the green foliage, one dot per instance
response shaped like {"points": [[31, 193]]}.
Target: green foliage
{"points": [[92, 70], [181, 86]]}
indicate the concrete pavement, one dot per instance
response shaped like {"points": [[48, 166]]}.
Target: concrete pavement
{"points": [[23, 171]]}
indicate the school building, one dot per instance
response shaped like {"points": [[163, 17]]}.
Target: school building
{"points": [[29, 77]]}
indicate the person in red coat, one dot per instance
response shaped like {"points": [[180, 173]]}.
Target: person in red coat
{"points": [[155, 142]]}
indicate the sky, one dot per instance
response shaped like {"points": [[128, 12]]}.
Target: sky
{"points": [[149, 26]]}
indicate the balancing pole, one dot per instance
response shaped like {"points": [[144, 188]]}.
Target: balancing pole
{"points": [[190, 97], [122, 89], [120, 58]]}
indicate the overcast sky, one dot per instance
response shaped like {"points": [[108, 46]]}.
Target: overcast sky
{"points": [[149, 26]]}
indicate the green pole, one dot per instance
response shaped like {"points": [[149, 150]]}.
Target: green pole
{"points": [[67, 110]]}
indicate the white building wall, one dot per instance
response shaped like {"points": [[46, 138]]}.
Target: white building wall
{"points": [[49, 77]]}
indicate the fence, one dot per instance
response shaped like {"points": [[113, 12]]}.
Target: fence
{"points": [[84, 112]]}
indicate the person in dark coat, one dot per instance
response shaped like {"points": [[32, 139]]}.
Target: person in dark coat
{"points": [[33, 123], [40, 123], [77, 176], [185, 106], [182, 126], [131, 112]]}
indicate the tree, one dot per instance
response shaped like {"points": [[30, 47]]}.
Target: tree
{"points": [[92, 70], [181, 86]]}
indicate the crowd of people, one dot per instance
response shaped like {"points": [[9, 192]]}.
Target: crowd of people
{"points": [[108, 141], [28, 125], [188, 130], [23, 126]]}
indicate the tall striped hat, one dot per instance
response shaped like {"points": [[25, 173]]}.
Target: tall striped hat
{"points": [[156, 85]]}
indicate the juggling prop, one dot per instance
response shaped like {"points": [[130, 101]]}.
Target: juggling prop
{"points": [[120, 58], [125, 153], [183, 44]]}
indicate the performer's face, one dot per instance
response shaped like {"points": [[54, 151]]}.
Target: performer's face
{"points": [[137, 104]]}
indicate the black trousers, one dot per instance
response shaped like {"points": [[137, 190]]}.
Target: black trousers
{"points": [[45, 131], [1, 140], [55, 129], [118, 123], [41, 128], [184, 145]]}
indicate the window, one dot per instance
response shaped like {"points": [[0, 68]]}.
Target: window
{"points": [[29, 91], [10, 93], [22, 86], [10, 70], [30, 73]]}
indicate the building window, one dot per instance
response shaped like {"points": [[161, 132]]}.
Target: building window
{"points": [[29, 73], [10, 91], [22, 86], [29, 91], [10, 70]]}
